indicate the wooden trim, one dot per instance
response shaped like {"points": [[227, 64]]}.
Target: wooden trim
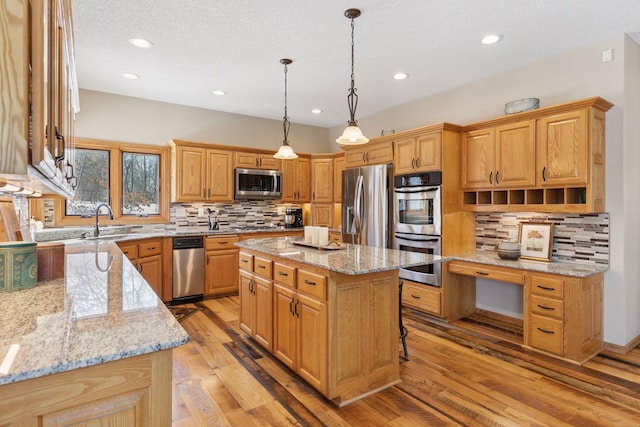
{"points": [[115, 150], [622, 349]]}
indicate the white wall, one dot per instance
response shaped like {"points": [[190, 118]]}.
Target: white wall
{"points": [[564, 78], [120, 118]]}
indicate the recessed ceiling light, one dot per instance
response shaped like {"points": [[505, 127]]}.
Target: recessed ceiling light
{"points": [[219, 92], [400, 76], [130, 76], [141, 43], [316, 111], [491, 39]]}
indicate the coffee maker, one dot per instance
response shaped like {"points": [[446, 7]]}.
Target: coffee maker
{"points": [[293, 218]]}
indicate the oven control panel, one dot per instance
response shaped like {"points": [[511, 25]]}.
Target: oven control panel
{"points": [[418, 180]]}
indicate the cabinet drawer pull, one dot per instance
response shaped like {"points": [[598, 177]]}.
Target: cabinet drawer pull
{"points": [[309, 282], [544, 288], [151, 248], [482, 273], [544, 331], [261, 266], [223, 243], [282, 273], [546, 308], [244, 260], [415, 296]]}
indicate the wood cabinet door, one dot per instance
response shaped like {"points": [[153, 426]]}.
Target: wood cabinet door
{"points": [[515, 155], [312, 336], [405, 156], [219, 176], [221, 272], [247, 303], [263, 328], [322, 180], [338, 167], [151, 270], [190, 179], [322, 214], [289, 180], [478, 158], [562, 149], [354, 157], [285, 325], [267, 161], [379, 153], [303, 180], [428, 152], [246, 160]]}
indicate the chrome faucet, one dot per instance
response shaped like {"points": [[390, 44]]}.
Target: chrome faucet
{"points": [[96, 231]]}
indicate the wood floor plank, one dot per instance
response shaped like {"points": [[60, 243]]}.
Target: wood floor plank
{"points": [[454, 376]]}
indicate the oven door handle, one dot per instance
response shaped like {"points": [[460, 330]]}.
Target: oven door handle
{"points": [[411, 190], [437, 239]]}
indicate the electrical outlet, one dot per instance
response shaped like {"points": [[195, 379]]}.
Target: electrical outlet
{"points": [[607, 55]]}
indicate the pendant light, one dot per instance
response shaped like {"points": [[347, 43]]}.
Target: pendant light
{"points": [[352, 135], [285, 151]]}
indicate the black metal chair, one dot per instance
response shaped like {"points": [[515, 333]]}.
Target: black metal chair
{"points": [[403, 330]]}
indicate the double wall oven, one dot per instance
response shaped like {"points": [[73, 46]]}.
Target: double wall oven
{"points": [[417, 215]]}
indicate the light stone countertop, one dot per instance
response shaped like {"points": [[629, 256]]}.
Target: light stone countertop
{"points": [[103, 310], [352, 259], [566, 269]]}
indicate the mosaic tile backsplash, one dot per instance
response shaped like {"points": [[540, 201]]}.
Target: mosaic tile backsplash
{"points": [[577, 238]]}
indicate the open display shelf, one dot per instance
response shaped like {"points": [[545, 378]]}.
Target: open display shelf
{"points": [[573, 199]]}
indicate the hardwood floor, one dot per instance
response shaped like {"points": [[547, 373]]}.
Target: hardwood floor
{"points": [[454, 376]]}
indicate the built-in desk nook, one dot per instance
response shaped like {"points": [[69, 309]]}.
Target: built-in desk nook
{"points": [[562, 303]]}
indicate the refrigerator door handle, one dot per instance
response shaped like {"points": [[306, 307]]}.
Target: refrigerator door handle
{"points": [[357, 207]]}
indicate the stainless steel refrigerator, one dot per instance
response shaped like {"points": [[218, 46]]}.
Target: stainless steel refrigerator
{"points": [[367, 205]]}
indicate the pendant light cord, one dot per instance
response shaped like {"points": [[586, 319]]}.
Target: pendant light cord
{"points": [[352, 98], [285, 124]]}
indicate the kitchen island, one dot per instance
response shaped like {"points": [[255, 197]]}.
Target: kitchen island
{"points": [[95, 345], [329, 315]]}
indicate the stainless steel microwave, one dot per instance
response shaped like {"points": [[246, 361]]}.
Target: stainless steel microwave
{"points": [[257, 184]]}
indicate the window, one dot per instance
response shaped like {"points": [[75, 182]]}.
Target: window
{"points": [[132, 179]]}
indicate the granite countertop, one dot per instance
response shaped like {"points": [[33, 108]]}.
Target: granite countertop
{"points": [[103, 310], [566, 269], [352, 259]]}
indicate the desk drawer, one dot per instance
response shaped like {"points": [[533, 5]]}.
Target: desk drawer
{"points": [[423, 298], [487, 271], [548, 286], [262, 267], [284, 275], [546, 334], [312, 284], [212, 243], [546, 306]]}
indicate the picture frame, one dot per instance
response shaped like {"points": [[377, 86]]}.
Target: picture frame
{"points": [[536, 240]]}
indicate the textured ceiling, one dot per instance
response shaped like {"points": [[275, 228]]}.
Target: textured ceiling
{"points": [[236, 46]]}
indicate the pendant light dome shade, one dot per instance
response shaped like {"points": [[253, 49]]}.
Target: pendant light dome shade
{"points": [[352, 135], [285, 152]]}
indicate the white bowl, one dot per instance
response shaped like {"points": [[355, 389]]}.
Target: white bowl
{"points": [[509, 245]]}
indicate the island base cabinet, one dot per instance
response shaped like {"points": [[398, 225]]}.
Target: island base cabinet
{"points": [[129, 392], [363, 340], [299, 342], [256, 308]]}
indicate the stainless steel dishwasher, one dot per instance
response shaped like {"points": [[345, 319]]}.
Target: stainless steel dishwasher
{"points": [[188, 269]]}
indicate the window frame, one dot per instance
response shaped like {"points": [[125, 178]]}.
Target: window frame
{"points": [[116, 149]]}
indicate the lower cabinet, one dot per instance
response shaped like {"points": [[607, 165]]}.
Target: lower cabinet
{"points": [[256, 301], [130, 392], [221, 260], [338, 332], [422, 297], [300, 328], [146, 256]]}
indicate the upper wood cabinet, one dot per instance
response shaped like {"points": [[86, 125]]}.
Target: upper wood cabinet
{"points": [[563, 170], [296, 180], [501, 156], [200, 174], [249, 160], [368, 154], [322, 179], [418, 154], [40, 95]]}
